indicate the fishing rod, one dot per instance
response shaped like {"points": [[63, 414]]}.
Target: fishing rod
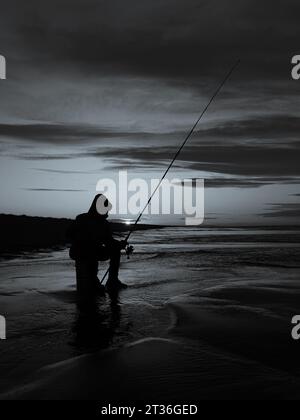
{"points": [[176, 156]]}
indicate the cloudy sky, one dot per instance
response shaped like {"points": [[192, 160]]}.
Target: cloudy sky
{"points": [[94, 87]]}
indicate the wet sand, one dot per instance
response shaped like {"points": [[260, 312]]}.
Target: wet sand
{"points": [[206, 317]]}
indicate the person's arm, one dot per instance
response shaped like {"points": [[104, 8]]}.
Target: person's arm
{"points": [[109, 239]]}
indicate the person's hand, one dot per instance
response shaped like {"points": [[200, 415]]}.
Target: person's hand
{"points": [[123, 244]]}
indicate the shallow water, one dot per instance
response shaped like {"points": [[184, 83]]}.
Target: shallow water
{"points": [[205, 285]]}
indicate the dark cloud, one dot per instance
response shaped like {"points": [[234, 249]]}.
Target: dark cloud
{"points": [[43, 157], [272, 128], [284, 210], [52, 190], [64, 133], [228, 159], [253, 182], [259, 130], [232, 182], [61, 171], [265, 146], [164, 37]]}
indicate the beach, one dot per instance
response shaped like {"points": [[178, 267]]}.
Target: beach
{"points": [[207, 316]]}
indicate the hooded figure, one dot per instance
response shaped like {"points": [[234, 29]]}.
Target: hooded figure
{"points": [[92, 241]]}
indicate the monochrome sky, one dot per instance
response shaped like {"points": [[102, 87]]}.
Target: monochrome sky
{"points": [[97, 86]]}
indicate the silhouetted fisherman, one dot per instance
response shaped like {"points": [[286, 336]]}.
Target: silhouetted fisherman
{"points": [[92, 241]]}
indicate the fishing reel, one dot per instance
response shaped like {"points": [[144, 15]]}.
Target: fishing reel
{"points": [[129, 250]]}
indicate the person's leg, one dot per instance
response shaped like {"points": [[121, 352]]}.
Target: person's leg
{"points": [[113, 281], [96, 287], [87, 278], [93, 273], [114, 265], [82, 276]]}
